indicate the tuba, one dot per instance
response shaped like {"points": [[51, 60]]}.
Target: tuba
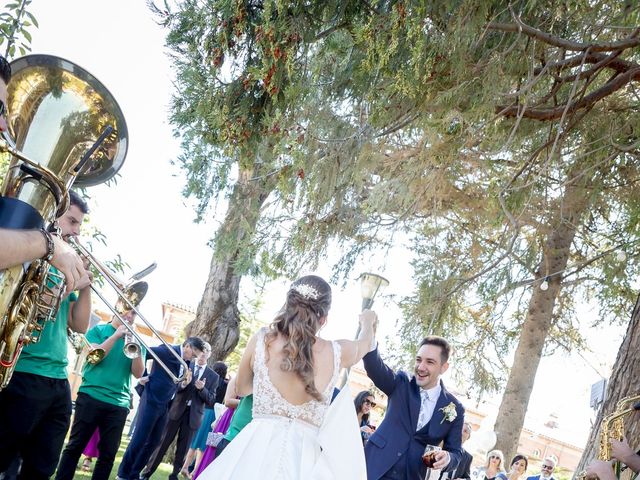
{"points": [[65, 129]]}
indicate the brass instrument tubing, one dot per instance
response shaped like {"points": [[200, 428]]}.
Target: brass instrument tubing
{"points": [[56, 186], [111, 282]]}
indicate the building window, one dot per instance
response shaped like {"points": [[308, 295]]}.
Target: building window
{"points": [[536, 453]]}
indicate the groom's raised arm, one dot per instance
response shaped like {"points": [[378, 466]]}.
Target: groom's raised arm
{"points": [[383, 377]]}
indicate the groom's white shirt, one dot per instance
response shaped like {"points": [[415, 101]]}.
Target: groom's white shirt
{"points": [[428, 405]]}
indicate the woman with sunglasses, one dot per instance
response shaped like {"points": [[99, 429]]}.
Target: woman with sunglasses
{"points": [[364, 402], [493, 467]]}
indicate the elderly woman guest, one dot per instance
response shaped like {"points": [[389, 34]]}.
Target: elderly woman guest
{"points": [[519, 465], [364, 402]]}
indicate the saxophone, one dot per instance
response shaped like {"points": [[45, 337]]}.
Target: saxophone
{"points": [[65, 129], [613, 428]]}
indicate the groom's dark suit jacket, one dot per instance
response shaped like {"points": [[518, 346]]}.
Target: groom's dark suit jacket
{"points": [[396, 441]]}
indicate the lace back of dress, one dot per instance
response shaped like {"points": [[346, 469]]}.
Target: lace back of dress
{"points": [[267, 400]]}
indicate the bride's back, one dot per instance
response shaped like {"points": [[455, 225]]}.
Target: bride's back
{"points": [[288, 383], [293, 370]]}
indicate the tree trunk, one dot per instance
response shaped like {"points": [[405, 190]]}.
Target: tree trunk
{"points": [[624, 381], [539, 318], [217, 318]]}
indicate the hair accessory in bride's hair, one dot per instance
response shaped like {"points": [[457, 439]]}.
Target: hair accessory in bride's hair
{"points": [[307, 291]]}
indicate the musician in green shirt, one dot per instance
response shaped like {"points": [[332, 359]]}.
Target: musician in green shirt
{"points": [[103, 399]]}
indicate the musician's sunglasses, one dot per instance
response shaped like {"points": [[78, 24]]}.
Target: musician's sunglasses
{"points": [[369, 402]]}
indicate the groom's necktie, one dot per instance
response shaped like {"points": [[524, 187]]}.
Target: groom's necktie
{"points": [[424, 416]]}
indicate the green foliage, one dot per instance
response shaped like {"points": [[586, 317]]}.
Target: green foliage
{"points": [[480, 193], [15, 24], [449, 122]]}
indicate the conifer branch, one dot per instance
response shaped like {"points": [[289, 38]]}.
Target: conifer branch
{"points": [[630, 42], [546, 114]]}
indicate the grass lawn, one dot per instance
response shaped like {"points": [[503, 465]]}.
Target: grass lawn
{"points": [[164, 470]]}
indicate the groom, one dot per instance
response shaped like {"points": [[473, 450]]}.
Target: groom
{"points": [[420, 412]]}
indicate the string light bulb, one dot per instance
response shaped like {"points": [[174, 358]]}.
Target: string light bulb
{"points": [[544, 286], [621, 256]]}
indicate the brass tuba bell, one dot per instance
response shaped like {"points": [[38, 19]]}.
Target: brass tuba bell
{"points": [[65, 129]]}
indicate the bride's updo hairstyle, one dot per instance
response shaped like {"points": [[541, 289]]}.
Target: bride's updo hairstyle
{"points": [[308, 300]]}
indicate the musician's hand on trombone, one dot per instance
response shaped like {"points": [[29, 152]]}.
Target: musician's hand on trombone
{"points": [[68, 262]]}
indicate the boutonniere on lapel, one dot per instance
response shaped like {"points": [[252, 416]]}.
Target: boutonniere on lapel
{"points": [[449, 412]]}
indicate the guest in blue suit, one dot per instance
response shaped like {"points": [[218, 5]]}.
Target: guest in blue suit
{"points": [[420, 412], [152, 414], [546, 473]]}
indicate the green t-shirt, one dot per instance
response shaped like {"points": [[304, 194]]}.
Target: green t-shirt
{"points": [[110, 379], [241, 417], [48, 357]]}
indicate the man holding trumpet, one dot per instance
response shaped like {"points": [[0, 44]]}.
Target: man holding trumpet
{"points": [[103, 398]]}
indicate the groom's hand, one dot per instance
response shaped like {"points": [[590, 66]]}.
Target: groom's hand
{"points": [[369, 322], [442, 460]]}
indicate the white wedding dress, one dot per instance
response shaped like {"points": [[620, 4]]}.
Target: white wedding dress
{"points": [[315, 440]]}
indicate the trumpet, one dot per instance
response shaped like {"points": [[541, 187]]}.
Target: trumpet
{"points": [[131, 346], [79, 342], [128, 298]]}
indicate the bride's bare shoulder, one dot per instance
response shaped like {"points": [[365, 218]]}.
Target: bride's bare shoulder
{"points": [[322, 344]]}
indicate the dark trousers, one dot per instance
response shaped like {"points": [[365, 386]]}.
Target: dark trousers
{"points": [[185, 435], [91, 414], [221, 446], [146, 437], [11, 473], [34, 418]]}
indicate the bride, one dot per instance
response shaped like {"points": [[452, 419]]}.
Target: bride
{"points": [[297, 431]]}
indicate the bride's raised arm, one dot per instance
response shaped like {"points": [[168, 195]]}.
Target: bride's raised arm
{"points": [[354, 350], [244, 378]]}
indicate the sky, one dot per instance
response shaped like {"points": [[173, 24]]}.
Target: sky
{"points": [[145, 218]]}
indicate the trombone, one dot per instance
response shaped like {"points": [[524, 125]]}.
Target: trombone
{"points": [[129, 295]]}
